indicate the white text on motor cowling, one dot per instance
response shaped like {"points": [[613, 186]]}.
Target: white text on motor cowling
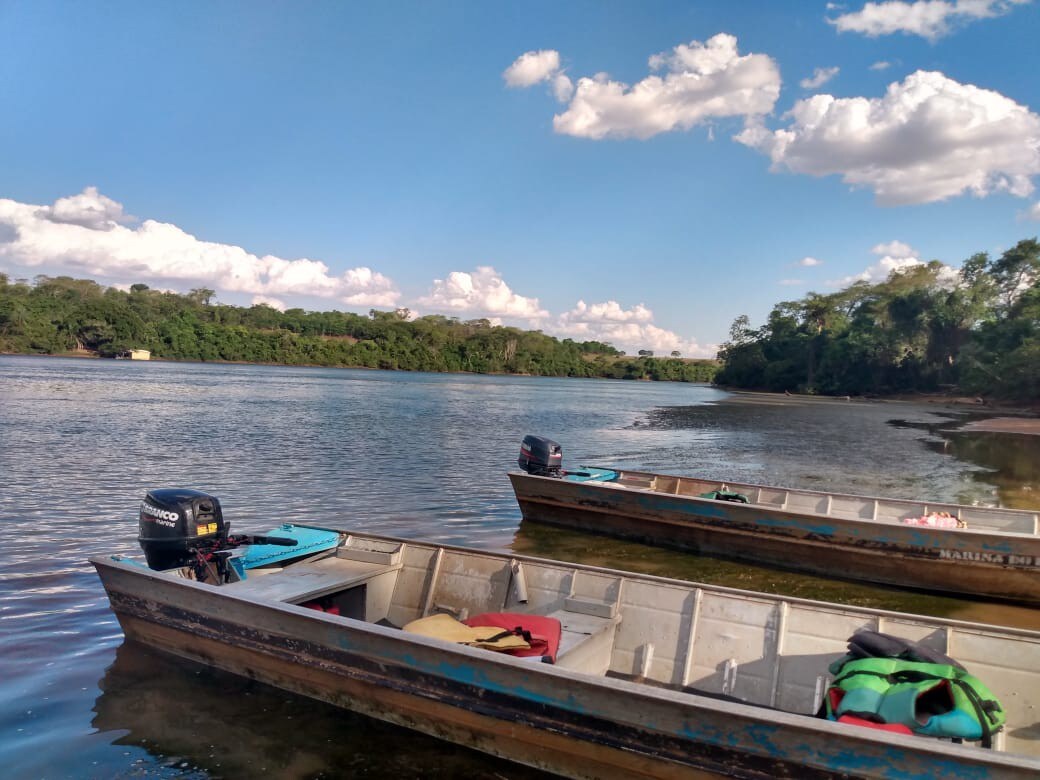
{"points": [[159, 514]]}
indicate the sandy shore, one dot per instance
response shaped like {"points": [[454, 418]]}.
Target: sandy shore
{"points": [[1026, 419], [1026, 425]]}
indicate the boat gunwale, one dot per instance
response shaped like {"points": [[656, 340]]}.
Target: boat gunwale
{"points": [[691, 584], [939, 505]]}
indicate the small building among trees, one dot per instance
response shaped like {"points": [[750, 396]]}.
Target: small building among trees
{"points": [[135, 354]]}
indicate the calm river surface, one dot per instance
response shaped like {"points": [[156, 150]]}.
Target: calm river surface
{"points": [[412, 455]]}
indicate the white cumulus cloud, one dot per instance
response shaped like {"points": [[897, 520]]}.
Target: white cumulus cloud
{"points": [[700, 81], [928, 139], [532, 67], [563, 88], [89, 209], [809, 262], [608, 311], [893, 256], [629, 330], [896, 256], [267, 300], [896, 248], [819, 77], [1033, 212], [881, 65], [929, 19], [482, 292], [84, 234]]}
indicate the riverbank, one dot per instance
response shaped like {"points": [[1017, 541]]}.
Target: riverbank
{"points": [[1029, 426], [635, 369], [992, 416]]}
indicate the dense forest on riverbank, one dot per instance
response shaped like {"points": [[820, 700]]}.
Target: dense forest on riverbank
{"points": [[62, 315], [921, 330], [924, 329]]}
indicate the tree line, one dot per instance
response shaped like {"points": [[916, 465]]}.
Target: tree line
{"points": [[921, 330], [62, 315]]}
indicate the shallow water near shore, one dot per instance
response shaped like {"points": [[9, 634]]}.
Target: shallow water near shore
{"points": [[410, 455]]}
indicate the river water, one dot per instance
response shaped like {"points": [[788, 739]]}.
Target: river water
{"points": [[411, 455]]}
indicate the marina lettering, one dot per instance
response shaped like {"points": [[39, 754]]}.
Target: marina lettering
{"points": [[981, 557]]}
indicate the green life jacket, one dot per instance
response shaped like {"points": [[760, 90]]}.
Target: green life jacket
{"points": [[938, 700], [725, 495]]}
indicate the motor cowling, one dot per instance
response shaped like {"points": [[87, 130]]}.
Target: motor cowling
{"points": [[541, 457], [177, 522]]}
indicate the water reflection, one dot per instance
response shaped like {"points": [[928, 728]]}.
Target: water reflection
{"points": [[1013, 461], [179, 719], [892, 449], [1010, 462]]}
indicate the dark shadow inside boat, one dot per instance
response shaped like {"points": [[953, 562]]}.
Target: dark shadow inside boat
{"points": [[690, 689], [192, 720]]}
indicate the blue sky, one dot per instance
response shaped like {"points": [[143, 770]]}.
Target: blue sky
{"points": [[640, 172]]}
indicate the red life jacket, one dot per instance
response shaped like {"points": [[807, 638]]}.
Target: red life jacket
{"points": [[852, 720], [322, 606], [544, 631]]}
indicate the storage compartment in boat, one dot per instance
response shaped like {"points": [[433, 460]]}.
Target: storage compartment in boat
{"points": [[349, 603], [370, 551], [359, 589], [665, 484]]}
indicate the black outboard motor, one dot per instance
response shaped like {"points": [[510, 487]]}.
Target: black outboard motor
{"points": [[541, 457], [176, 523]]}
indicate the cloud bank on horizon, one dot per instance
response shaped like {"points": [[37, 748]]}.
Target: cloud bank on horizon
{"points": [[481, 291], [89, 233]]}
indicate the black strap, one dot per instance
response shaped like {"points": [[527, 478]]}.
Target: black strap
{"points": [[518, 631], [983, 711]]}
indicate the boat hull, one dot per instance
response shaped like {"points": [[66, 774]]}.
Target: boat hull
{"points": [[580, 726], [997, 566]]}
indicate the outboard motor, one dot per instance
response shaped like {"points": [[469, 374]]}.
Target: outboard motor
{"points": [[541, 457], [185, 528], [176, 523]]}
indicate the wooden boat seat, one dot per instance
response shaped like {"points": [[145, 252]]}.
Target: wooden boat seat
{"points": [[310, 580]]}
